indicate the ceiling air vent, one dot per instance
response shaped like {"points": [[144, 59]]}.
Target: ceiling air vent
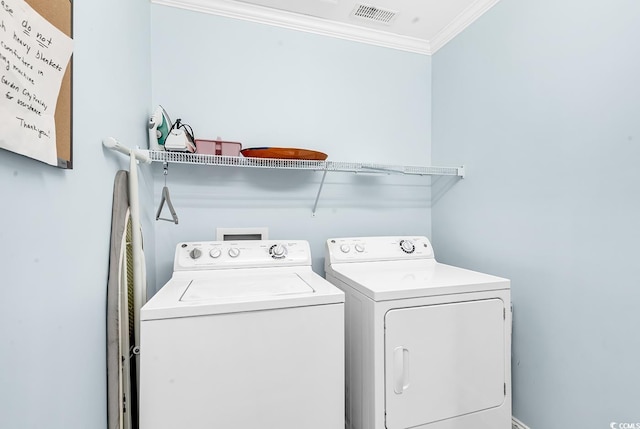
{"points": [[373, 14]]}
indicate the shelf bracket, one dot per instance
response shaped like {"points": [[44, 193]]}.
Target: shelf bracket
{"points": [[315, 204], [140, 155]]}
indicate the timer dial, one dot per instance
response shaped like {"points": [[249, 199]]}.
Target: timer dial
{"points": [[195, 253], [407, 246], [278, 251]]}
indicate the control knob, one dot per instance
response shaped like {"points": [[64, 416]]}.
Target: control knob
{"points": [[407, 246], [345, 248], [195, 253], [359, 248], [278, 251], [234, 252], [215, 253]]}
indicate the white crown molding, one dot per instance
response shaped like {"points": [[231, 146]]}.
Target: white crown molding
{"points": [[310, 24], [280, 18], [462, 21]]}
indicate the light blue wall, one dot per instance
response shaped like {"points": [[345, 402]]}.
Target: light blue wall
{"points": [[55, 227], [541, 101], [268, 86]]}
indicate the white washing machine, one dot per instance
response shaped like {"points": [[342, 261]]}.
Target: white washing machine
{"points": [[243, 336], [427, 344]]}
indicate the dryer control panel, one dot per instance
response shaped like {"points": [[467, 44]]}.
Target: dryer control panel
{"points": [[211, 255], [370, 249]]}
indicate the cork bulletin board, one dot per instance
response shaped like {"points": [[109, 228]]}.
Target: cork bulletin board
{"points": [[32, 59]]}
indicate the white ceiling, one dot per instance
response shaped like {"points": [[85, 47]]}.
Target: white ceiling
{"points": [[421, 26]]}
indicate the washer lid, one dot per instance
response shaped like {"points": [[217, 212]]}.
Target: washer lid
{"points": [[388, 280], [201, 293], [249, 286]]}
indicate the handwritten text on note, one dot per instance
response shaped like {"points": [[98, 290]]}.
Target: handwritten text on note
{"points": [[33, 59]]}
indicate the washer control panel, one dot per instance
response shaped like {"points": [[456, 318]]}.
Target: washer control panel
{"points": [[367, 249], [211, 255]]}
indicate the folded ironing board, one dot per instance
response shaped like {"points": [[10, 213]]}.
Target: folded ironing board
{"points": [[121, 363]]}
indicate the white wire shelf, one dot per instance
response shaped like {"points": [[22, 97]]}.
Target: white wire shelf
{"points": [[300, 164]]}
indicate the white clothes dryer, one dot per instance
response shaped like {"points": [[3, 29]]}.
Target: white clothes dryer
{"points": [[427, 344], [243, 336]]}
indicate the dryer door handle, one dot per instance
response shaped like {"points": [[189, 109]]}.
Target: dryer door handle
{"points": [[400, 369]]}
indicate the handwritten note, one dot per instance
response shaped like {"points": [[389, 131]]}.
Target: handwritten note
{"points": [[33, 59]]}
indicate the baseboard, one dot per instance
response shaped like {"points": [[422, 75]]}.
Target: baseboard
{"points": [[517, 424]]}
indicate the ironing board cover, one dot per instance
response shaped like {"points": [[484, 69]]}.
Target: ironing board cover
{"points": [[121, 369]]}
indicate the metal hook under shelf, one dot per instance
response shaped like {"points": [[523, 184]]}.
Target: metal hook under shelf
{"points": [[166, 198]]}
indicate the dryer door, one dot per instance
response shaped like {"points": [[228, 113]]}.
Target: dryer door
{"points": [[443, 361]]}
